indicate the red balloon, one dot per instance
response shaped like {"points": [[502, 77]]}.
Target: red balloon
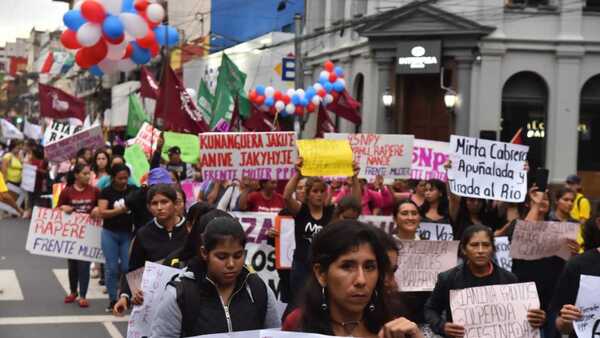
{"points": [[116, 41], [252, 95], [322, 92], [329, 66], [299, 111], [128, 51], [260, 99], [277, 95], [141, 5], [148, 40], [98, 51], [154, 49], [69, 40], [332, 77], [310, 107], [84, 58], [286, 99], [93, 11]]}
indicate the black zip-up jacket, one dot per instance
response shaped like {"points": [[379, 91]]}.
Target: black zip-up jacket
{"points": [[153, 243], [437, 308]]}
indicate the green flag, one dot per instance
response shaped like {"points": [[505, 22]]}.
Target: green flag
{"points": [[136, 116], [189, 144], [136, 158], [205, 100], [230, 83]]}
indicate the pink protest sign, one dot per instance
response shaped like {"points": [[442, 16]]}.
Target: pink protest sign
{"points": [[67, 148], [428, 159]]}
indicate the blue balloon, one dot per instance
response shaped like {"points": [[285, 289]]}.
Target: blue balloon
{"points": [[304, 102], [283, 113], [166, 35], [310, 92], [339, 71], [323, 79], [296, 99], [338, 86], [269, 101], [328, 87], [95, 70], [113, 27], [128, 6], [73, 19], [172, 36], [260, 90], [140, 55]]}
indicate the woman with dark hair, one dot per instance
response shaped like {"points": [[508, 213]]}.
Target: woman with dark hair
{"points": [[435, 207], [310, 217], [80, 197], [347, 208], [345, 295], [154, 241], [117, 228], [218, 294], [104, 181], [100, 164], [407, 217], [419, 189], [478, 269]]}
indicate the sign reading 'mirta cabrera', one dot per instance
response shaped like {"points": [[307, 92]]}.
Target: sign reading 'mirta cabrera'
{"points": [[418, 57]]}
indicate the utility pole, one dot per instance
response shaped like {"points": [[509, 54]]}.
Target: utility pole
{"points": [[299, 71]]}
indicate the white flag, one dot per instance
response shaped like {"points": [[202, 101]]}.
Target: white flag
{"points": [[9, 131]]}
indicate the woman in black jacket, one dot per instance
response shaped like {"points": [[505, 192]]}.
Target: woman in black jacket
{"points": [[478, 269]]}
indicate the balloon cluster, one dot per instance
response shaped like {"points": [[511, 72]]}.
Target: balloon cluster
{"points": [[116, 35], [297, 101]]}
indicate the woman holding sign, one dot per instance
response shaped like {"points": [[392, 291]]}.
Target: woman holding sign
{"points": [[478, 269], [80, 197], [435, 207]]}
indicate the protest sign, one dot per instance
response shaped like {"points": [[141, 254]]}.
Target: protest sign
{"points": [[588, 301], [428, 159], [503, 258], [426, 231], [380, 154], [134, 279], [135, 157], [28, 177], [59, 130], [261, 156], [536, 240], [326, 158], [147, 137], [187, 143], [285, 242], [67, 148], [495, 310], [33, 131], [191, 189], [9, 131], [487, 169], [273, 333], [419, 263], [154, 281], [58, 234]]}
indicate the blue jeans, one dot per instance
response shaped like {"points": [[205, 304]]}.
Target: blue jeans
{"points": [[115, 246]]}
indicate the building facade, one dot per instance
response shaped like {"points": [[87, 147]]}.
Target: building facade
{"points": [[531, 64]]}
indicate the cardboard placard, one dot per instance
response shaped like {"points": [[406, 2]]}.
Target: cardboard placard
{"points": [[420, 262], [588, 301], [187, 143], [28, 177], [67, 147], [147, 137], [285, 243], [326, 158], [536, 240]]}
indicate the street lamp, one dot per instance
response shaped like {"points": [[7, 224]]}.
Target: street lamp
{"points": [[450, 99], [387, 99]]}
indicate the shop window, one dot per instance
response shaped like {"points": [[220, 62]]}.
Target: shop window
{"points": [[317, 21], [589, 126], [524, 106]]}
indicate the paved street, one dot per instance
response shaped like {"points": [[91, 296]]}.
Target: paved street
{"points": [[31, 304]]}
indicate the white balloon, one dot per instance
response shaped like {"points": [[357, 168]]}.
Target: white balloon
{"points": [[279, 105], [155, 13], [89, 34], [191, 92], [317, 86], [116, 52], [316, 100], [300, 92], [342, 81], [269, 91], [324, 73], [126, 65], [109, 66], [134, 24], [328, 99], [112, 6], [290, 108], [290, 92]]}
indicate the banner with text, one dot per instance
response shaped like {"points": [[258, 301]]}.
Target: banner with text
{"points": [[67, 148], [147, 137], [502, 256], [58, 234], [273, 333], [380, 154], [428, 159], [59, 130], [536, 240], [426, 231], [487, 169], [588, 301], [495, 311], [420, 262], [261, 156]]}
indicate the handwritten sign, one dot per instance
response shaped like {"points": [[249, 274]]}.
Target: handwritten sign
{"points": [[487, 169], [274, 333], [588, 301], [228, 156], [32, 131], [380, 154], [426, 231], [58, 234], [503, 258], [59, 130], [285, 242], [188, 143], [154, 281], [536, 240], [428, 159], [67, 148], [326, 157], [28, 177], [495, 310], [419, 263], [147, 137]]}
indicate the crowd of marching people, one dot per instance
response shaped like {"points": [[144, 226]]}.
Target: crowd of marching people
{"points": [[341, 281]]}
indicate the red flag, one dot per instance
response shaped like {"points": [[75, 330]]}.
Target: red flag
{"points": [[518, 138], [259, 120], [176, 107], [324, 123], [56, 104], [346, 107], [149, 87], [47, 66]]}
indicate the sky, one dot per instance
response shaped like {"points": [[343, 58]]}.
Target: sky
{"points": [[18, 17]]}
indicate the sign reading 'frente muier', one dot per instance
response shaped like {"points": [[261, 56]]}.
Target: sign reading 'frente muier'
{"points": [[418, 57]]}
